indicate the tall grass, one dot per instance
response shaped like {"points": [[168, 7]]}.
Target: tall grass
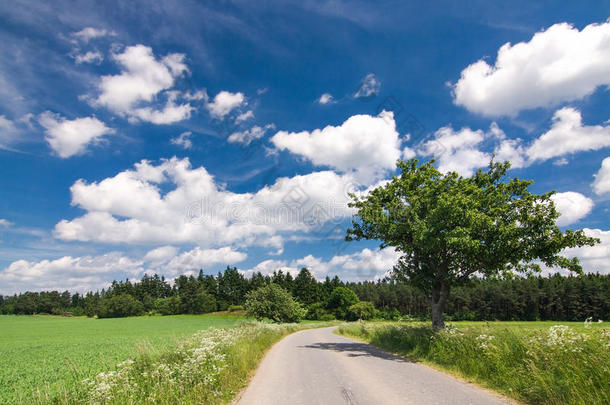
{"points": [[556, 365], [210, 367]]}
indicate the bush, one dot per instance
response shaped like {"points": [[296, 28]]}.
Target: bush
{"points": [[363, 310], [273, 302], [340, 300], [119, 306], [316, 311], [233, 308], [168, 306]]}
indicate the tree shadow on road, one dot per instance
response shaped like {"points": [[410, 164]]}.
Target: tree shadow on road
{"points": [[355, 349]]}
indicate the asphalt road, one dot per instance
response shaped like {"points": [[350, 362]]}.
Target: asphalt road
{"points": [[318, 367]]}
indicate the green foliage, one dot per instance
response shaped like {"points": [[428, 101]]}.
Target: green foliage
{"points": [[362, 310], [119, 306], [234, 308], [168, 306], [448, 227], [316, 311], [534, 363], [340, 300], [273, 302]]}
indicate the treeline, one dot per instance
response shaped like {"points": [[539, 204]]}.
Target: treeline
{"points": [[556, 297]]}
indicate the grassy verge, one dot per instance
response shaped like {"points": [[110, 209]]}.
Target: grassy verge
{"points": [[210, 367], [544, 365]]}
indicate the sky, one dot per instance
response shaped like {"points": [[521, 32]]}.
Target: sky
{"points": [[168, 137]]}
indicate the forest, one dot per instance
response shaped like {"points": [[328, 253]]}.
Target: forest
{"points": [[553, 297]]}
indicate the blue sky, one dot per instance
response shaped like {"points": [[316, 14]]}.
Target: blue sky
{"points": [[171, 137]]}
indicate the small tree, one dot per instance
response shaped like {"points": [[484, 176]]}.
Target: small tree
{"points": [[449, 227], [119, 306], [273, 302], [340, 300], [363, 310]]}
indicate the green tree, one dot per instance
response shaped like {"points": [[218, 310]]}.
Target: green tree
{"points": [[361, 310], [273, 302], [448, 227], [120, 305], [340, 300]]}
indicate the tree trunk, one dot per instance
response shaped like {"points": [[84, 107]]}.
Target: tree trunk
{"points": [[440, 293]]}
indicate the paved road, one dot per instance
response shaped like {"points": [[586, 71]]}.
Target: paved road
{"points": [[318, 367]]}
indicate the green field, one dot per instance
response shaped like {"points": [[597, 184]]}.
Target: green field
{"points": [[45, 354], [534, 362]]}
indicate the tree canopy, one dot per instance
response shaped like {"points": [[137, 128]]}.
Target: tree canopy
{"points": [[448, 227]]}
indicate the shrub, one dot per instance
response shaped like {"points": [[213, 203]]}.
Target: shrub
{"points": [[340, 300], [316, 311], [119, 306], [273, 302], [363, 310], [168, 306]]}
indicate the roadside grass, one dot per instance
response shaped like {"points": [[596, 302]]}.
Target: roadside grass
{"points": [[46, 357], [211, 367], [533, 362]]}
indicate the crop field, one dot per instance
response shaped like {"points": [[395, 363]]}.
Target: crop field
{"points": [[533, 362], [45, 355]]}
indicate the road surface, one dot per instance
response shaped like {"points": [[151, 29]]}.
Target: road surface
{"points": [[316, 366]]}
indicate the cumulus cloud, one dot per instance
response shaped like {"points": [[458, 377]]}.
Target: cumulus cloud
{"points": [[200, 258], [365, 145], [457, 151], [370, 86], [224, 103], [183, 140], [5, 223], [71, 137], [601, 185], [326, 98], [170, 114], [572, 206], [568, 135], [142, 78], [557, 65], [7, 131], [95, 57], [160, 255], [247, 136], [593, 258], [367, 264], [66, 273], [131, 207]]}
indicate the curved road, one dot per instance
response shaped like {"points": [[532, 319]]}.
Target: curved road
{"points": [[316, 366]]}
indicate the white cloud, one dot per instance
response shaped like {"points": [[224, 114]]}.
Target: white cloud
{"points": [[71, 137], [366, 145], [142, 77], [7, 131], [224, 103], [89, 57], [66, 273], [593, 258], [557, 65], [561, 162], [326, 98], [601, 185], [572, 206], [366, 264], [130, 207], [370, 86], [170, 114], [160, 255], [5, 223], [200, 258], [568, 135], [89, 33], [244, 116], [247, 136], [183, 140], [457, 150]]}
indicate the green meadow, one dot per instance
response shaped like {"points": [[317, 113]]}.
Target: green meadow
{"points": [[44, 356]]}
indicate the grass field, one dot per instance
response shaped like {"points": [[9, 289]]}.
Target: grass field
{"points": [[534, 362], [46, 355]]}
